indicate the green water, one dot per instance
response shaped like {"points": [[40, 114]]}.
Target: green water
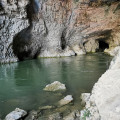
{"points": [[21, 84]]}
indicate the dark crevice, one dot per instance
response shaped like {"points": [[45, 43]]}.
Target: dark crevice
{"points": [[63, 41], [45, 28], [75, 54], [102, 46], [32, 10], [37, 53]]}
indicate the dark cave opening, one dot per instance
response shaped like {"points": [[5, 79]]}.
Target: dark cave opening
{"points": [[102, 46]]}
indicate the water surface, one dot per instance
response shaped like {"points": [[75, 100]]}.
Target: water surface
{"points": [[21, 84]]}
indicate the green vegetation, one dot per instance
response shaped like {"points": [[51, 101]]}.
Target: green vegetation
{"points": [[86, 114]]}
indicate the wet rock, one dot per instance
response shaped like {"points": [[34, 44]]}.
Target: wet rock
{"points": [[55, 86], [32, 115], [16, 114], [55, 116], [75, 115], [85, 98], [66, 100]]}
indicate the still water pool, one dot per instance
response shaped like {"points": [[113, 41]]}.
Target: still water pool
{"points": [[21, 84]]}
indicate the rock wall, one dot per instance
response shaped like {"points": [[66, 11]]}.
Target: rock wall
{"points": [[12, 20], [63, 28], [104, 101], [108, 90]]}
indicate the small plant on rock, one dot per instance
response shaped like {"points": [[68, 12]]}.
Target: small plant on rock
{"points": [[85, 114]]}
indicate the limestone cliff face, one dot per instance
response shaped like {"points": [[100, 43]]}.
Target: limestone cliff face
{"points": [[62, 28], [104, 102], [12, 20]]}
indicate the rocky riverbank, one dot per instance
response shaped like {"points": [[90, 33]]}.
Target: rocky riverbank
{"points": [[101, 104]]}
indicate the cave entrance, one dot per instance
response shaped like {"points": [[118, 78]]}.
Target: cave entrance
{"points": [[102, 46]]}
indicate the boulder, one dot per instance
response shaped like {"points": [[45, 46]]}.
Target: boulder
{"points": [[75, 115], [32, 115], [106, 92], [55, 86], [65, 100], [85, 98], [55, 116], [16, 114]]}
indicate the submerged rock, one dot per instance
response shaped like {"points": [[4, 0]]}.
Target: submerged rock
{"points": [[55, 116], [16, 114], [46, 107], [75, 115], [66, 100], [55, 86]]}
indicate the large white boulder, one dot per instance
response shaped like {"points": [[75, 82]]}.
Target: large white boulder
{"points": [[106, 92], [16, 114], [55, 86]]}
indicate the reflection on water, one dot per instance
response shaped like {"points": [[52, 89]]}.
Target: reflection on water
{"points": [[21, 84]]}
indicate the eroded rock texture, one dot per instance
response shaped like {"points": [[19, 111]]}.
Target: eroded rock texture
{"points": [[12, 20], [62, 27], [105, 93]]}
